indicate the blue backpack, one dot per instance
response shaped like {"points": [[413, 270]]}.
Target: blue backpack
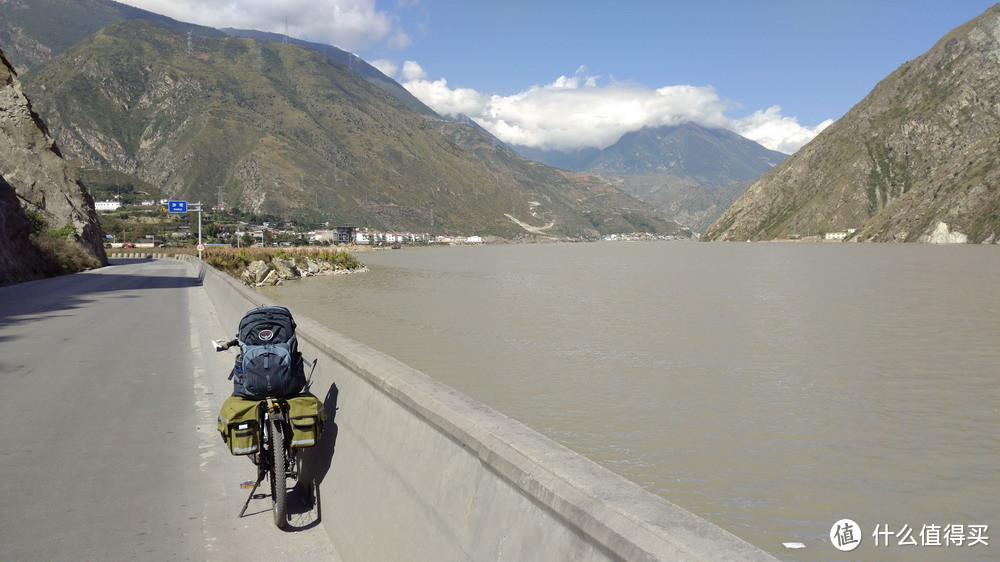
{"points": [[269, 363]]}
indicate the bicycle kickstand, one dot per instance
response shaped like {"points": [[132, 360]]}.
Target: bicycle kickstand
{"points": [[260, 478]]}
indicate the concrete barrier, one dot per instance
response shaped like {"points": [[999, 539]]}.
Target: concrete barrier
{"points": [[410, 469]]}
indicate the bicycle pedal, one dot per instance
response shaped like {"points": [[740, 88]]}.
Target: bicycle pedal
{"points": [[247, 484]]}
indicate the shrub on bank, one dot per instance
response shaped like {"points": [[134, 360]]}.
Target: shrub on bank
{"points": [[235, 260], [64, 255]]}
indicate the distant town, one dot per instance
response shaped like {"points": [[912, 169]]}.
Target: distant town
{"points": [[231, 233]]}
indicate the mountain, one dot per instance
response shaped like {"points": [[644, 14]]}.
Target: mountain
{"points": [[38, 191], [916, 159], [576, 160], [353, 62], [712, 157], [34, 31], [690, 174], [681, 200], [276, 128]]}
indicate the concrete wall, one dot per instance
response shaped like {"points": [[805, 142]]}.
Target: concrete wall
{"points": [[410, 469]]}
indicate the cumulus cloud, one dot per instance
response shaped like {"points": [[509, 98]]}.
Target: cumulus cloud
{"points": [[439, 96], [348, 24], [775, 131], [413, 72], [578, 111]]}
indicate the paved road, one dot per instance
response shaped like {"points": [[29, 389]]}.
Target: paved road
{"points": [[108, 447]]}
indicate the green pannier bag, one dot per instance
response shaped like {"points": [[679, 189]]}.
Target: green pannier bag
{"points": [[238, 425], [306, 415]]}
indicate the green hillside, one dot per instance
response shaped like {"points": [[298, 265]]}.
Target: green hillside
{"points": [[276, 128], [34, 31]]}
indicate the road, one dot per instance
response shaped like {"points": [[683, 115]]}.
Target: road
{"points": [[108, 446]]}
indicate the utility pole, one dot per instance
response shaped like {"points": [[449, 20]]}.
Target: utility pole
{"points": [[197, 207]]}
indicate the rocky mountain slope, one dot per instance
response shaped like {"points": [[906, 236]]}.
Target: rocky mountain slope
{"points": [[280, 129], [35, 31], [38, 190], [682, 200], [922, 149], [20, 259], [353, 62]]}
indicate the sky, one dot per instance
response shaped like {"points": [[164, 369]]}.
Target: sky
{"points": [[575, 74]]}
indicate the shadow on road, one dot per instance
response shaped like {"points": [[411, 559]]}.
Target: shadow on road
{"points": [[303, 507], [316, 462], [33, 300]]}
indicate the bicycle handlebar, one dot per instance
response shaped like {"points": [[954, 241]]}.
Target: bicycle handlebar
{"points": [[224, 346]]}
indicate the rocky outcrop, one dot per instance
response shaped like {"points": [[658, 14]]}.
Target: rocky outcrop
{"points": [[279, 270], [42, 180], [943, 235], [20, 260], [919, 150]]}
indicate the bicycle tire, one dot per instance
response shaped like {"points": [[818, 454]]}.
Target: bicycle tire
{"points": [[279, 486]]}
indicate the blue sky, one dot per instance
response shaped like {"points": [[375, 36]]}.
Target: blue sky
{"points": [[571, 74]]}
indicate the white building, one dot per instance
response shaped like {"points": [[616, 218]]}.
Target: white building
{"points": [[107, 205], [840, 235]]}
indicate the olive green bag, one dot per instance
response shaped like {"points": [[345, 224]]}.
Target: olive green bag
{"points": [[306, 416], [238, 425]]}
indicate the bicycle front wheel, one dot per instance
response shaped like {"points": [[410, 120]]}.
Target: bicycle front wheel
{"points": [[279, 486]]}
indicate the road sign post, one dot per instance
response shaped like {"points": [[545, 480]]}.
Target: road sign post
{"points": [[183, 207], [201, 246]]}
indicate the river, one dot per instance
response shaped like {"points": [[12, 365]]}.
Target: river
{"points": [[772, 389]]}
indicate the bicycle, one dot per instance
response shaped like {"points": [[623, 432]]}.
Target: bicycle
{"points": [[275, 458]]}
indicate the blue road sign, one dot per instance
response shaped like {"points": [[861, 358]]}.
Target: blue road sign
{"points": [[177, 206]]}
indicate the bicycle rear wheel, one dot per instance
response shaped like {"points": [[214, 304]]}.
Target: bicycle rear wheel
{"points": [[279, 485]]}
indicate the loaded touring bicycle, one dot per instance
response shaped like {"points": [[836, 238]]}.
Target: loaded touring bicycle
{"points": [[271, 415]]}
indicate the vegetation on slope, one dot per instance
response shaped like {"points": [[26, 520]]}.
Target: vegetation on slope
{"points": [[235, 261], [275, 128]]}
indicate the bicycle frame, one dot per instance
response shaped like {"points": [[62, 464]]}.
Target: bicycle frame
{"points": [[273, 412]]}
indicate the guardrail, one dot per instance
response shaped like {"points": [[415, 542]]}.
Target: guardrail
{"points": [[411, 469]]}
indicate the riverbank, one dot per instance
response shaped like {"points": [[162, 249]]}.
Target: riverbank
{"points": [[258, 267]]}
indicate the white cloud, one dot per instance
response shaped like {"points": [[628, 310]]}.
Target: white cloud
{"points": [[575, 111], [775, 131], [348, 24], [438, 95], [385, 66], [413, 72]]}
